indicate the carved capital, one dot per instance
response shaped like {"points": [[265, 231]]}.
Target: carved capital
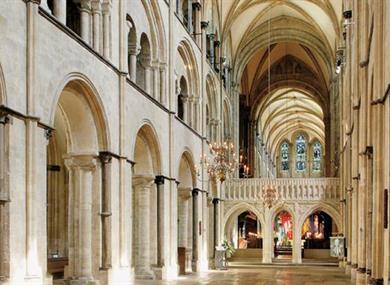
{"points": [[105, 157], [96, 6], [4, 118], [159, 180], [48, 133], [85, 161], [85, 5], [38, 2], [106, 7], [143, 181], [195, 192]]}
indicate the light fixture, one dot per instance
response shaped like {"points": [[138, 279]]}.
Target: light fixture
{"points": [[243, 167], [223, 161]]}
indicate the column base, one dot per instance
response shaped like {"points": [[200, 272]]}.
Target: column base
{"points": [[353, 273], [211, 264], [158, 273], [29, 280], [348, 268], [144, 274], [204, 265], [121, 274], [81, 281], [361, 276], [373, 281]]}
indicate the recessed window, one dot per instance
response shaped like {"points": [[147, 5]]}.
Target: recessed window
{"points": [[300, 145]]}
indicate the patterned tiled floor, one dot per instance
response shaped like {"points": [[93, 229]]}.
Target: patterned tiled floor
{"points": [[283, 275]]}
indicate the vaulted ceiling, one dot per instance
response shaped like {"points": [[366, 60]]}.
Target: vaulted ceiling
{"points": [[283, 55]]}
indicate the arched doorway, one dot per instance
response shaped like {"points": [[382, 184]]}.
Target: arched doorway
{"points": [[249, 231], [243, 230], [185, 205], [316, 231], [283, 233], [147, 167], [73, 185]]}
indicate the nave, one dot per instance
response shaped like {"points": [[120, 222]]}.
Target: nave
{"points": [[266, 275]]}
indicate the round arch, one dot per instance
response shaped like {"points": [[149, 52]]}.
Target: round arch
{"points": [[157, 30], [3, 90], [147, 150], [186, 168], [80, 84], [211, 93], [232, 215], [188, 56]]}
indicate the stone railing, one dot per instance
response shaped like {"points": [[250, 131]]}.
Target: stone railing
{"points": [[289, 189]]}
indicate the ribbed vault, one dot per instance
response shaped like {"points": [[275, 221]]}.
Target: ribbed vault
{"points": [[287, 111], [283, 54]]}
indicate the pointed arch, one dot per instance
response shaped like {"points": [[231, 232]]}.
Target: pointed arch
{"points": [[328, 209]]}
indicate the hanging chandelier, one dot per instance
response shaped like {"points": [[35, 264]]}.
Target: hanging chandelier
{"points": [[223, 161], [270, 196]]}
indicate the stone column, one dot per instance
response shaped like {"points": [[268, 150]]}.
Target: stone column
{"points": [[159, 180], [96, 14], [156, 73], [106, 10], [297, 253], [212, 56], [215, 223], [368, 206], [59, 10], [142, 185], [163, 99], [85, 19], [4, 200], [195, 230], [145, 60], [196, 114], [196, 6], [81, 168], [185, 108], [132, 61], [190, 117], [189, 24], [268, 244], [184, 196], [45, 6], [105, 213], [204, 234]]}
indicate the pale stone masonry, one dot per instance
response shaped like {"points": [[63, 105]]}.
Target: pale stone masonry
{"points": [[107, 106]]}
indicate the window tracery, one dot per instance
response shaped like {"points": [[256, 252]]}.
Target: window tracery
{"points": [[284, 154], [300, 145], [317, 150]]}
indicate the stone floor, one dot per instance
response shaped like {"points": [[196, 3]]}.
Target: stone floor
{"points": [[283, 275]]}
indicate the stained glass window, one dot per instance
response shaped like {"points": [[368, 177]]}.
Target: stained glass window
{"points": [[284, 156], [317, 149], [300, 153]]}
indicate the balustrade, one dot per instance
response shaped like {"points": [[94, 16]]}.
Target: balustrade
{"points": [[288, 189]]}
